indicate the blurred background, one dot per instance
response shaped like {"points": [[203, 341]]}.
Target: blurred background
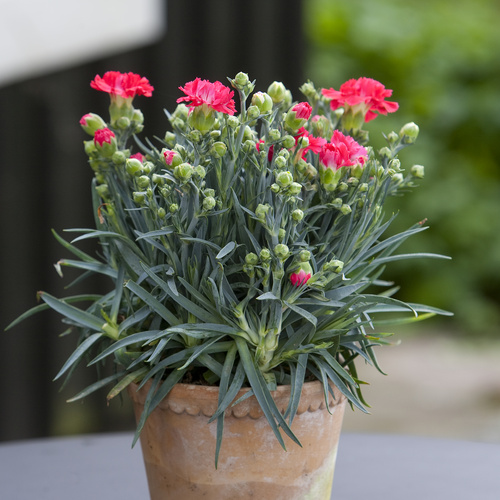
{"points": [[441, 57]]}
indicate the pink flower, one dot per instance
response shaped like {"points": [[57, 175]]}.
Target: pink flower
{"points": [[302, 110], [342, 151], [126, 85], [169, 156], [315, 143], [103, 135], [138, 156], [215, 95], [83, 119], [299, 278], [365, 95]]}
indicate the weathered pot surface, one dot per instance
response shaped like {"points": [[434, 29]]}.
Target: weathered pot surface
{"points": [[178, 446]]}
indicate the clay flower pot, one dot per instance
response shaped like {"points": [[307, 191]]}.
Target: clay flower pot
{"points": [[178, 446]]}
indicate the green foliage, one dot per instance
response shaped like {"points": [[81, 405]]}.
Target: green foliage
{"points": [[201, 239], [441, 59]]}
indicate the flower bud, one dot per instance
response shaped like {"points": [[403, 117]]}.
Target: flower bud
{"points": [[302, 275], [123, 123], [251, 259], [172, 158], [118, 158], [105, 142], [249, 146], [297, 116], [288, 141], [263, 101], [345, 209], [418, 171], [240, 80], [281, 235], [274, 134], [284, 179], [89, 148], [138, 197], [395, 164], [265, 255], [253, 112], [209, 203], [334, 265], [92, 122], [280, 162], [200, 171], [385, 152], [309, 91], [277, 92], [261, 211], [133, 166], [102, 190], [233, 121], [202, 118], [219, 149], [298, 215], [275, 188], [183, 172], [295, 188], [409, 133], [157, 179], [161, 213], [173, 208], [397, 177], [304, 255], [143, 181], [170, 139], [281, 251]]}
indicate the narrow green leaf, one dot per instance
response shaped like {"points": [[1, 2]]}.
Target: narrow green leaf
{"points": [[78, 353], [226, 250]]}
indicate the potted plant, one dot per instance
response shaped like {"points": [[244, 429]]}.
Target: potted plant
{"points": [[246, 251]]}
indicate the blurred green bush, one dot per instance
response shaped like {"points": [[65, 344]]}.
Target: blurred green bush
{"points": [[442, 59]]}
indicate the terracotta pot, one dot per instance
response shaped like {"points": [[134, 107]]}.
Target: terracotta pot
{"points": [[178, 447]]}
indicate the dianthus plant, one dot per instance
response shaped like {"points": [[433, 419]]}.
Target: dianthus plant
{"points": [[245, 247]]}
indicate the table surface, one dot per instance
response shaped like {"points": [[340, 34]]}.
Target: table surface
{"points": [[388, 467]]}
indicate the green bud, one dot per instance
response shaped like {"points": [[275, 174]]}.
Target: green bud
{"points": [[334, 265], [265, 255], [309, 91], [263, 101], [280, 162], [200, 171], [233, 121], [157, 179], [138, 117], [281, 235], [138, 197], [215, 134], [249, 146], [288, 141], [274, 134], [173, 208], [409, 133], [209, 192], [303, 142], [184, 171], [181, 111], [147, 167], [281, 251], [253, 112], [92, 122], [277, 92], [321, 127], [102, 190], [397, 177], [395, 164], [251, 259], [143, 181], [343, 187], [392, 138], [295, 188], [133, 166], [123, 122], [249, 270], [219, 149], [297, 215], [161, 213], [261, 211], [417, 171], [118, 158], [275, 188], [284, 153], [363, 188], [209, 203], [240, 80], [345, 209], [304, 255], [89, 148], [170, 139], [284, 179], [202, 118], [385, 152]]}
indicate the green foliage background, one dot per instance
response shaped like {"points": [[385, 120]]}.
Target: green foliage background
{"points": [[442, 59]]}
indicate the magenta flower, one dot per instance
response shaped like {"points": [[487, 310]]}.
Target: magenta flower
{"points": [[215, 95], [365, 95], [299, 278], [302, 110], [126, 85], [315, 143], [342, 151], [103, 135], [138, 156]]}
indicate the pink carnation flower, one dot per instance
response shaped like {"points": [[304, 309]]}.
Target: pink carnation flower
{"points": [[103, 135], [138, 156], [302, 110], [364, 94], [126, 85], [215, 95], [342, 151], [299, 278], [315, 143]]}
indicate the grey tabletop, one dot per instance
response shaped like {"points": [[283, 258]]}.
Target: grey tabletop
{"points": [[371, 466]]}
